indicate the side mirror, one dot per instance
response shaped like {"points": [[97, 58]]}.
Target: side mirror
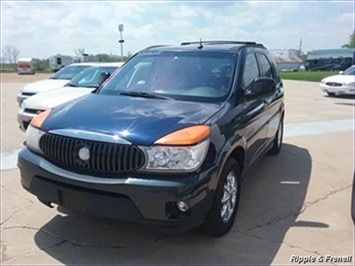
{"points": [[260, 87], [341, 73], [103, 77]]}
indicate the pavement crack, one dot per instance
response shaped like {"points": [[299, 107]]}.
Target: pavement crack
{"points": [[7, 260], [16, 194], [310, 204], [313, 161], [306, 206], [279, 242], [274, 221], [81, 244], [13, 214]]}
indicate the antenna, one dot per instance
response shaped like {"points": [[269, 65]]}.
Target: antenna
{"points": [[201, 46]]}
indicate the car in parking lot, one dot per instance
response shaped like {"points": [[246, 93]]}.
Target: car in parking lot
{"points": [[57, 80], [343, 83], [167, 140], [80, 85]]}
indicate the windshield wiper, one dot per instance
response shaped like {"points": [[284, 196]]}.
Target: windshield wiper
{"points": [[71, 85], [91, 86], [144, 95]]}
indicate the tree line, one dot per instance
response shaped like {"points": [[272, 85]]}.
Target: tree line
{"points": [[10, 56]]}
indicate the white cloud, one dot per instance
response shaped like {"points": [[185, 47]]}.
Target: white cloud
{"points": [[41, 29], [345, 18]]}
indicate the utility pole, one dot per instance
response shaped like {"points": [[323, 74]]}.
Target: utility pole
{"points": [[121, 41], [300, 48]]}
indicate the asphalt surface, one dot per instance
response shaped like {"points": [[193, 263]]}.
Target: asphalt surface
{"points": [[294, 206]]}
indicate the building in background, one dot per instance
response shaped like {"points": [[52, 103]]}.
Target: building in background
{"points": [[330, 59], [287, 60]]}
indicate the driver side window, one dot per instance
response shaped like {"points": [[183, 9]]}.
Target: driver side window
{"points": [[251, 70]]}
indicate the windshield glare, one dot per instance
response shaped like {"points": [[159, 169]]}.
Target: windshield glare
{"points": [[90, 76], [201, 76], [350, 71], [68, 72]]}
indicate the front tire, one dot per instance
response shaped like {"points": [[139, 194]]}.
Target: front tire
{"points": [[225, 205]]}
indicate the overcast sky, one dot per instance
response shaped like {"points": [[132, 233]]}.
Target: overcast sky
{"points": [[42, 29]]}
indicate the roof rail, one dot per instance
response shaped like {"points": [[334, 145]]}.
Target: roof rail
{"points": [[221, 42], [155, 46]]}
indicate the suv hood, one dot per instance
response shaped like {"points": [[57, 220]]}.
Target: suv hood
{"points": [[140, 121], [44, 85], [55, 97]]}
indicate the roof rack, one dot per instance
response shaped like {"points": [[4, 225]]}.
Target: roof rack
{"points": [[220, 42], [155, 46]]}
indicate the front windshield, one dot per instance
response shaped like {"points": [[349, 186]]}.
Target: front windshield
{"points": [[68, 72], [195, 76], [350, 71], [90, 77]]}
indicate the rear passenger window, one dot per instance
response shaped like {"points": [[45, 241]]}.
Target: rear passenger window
{"points": [[251, 70], [266, 69]]}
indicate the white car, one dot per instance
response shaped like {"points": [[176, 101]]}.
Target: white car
{"points": [[57, 80], [82, 84], [339, 84]]}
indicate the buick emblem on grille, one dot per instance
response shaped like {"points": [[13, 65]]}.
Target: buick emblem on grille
{"points": [[84, 154]]}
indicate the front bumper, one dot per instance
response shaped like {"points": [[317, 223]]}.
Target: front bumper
{"points": [[345, 89], [24, 119], [137, 198]]}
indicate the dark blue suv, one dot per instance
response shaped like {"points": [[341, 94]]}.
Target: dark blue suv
{"points": [[166, 140]]}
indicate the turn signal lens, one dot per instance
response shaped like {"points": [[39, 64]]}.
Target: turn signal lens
{"points": [[187, 136], [38, 120]]}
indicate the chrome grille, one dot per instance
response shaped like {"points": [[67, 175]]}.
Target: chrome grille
{"points": [[28, 93], [334, 84], [105, 158], [33, 111]]}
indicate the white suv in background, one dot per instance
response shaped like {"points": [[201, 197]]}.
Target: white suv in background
{"points": [[80, 85], [57, 80]]}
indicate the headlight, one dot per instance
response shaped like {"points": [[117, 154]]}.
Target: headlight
{"points": [[21, 90], [33, 132], [182, 150], [179, 158], [23, 106], [350, 83], [322, 81], [32, 138]]}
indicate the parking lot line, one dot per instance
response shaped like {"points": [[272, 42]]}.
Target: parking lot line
{"points": [[318, 128]]}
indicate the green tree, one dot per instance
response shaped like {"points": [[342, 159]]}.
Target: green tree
{"points": [[351, 43], [103, 57]]}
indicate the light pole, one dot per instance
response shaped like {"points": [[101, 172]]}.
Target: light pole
{"points": [[121, 41]]}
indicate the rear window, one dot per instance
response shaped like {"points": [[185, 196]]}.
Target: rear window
{"points": [[89, 77], [24, 65], [68, 72]]}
